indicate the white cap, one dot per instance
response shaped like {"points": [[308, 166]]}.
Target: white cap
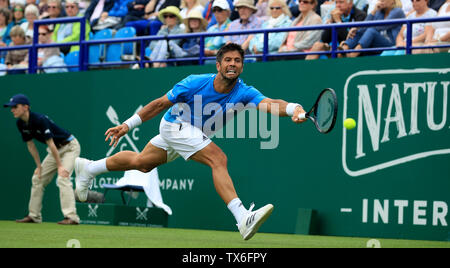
{"points": [[223, 4], [75, 2]]}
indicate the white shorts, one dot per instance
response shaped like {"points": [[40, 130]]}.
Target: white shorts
{"points": [[180, 139]]}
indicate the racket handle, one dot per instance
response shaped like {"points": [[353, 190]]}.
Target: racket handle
{"points": [[302, 116]]}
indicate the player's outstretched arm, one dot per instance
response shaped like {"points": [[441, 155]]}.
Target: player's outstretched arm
{"points": [[282, 108], [154, 108], [149, 111]]}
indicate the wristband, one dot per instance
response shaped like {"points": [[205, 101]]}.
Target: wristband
{"points": [[133, 121], [290, 108]]}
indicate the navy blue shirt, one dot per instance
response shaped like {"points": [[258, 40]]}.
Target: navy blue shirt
{"points": [[42, 128]]}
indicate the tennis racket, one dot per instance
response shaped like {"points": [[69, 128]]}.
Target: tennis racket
{"points": [[324, 112]]}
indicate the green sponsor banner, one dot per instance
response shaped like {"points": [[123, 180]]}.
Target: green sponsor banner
{"points": [[388, 177]]}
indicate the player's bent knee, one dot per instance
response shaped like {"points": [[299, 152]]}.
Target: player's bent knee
{"points": [[220, 160], [146, 167], [142, 164]]}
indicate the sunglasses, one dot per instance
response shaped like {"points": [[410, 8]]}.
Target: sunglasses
{"points": [[43, 34], [71, 7], [53, 7], [305, 2], [415, 1], [169, 16], [275, 8]]}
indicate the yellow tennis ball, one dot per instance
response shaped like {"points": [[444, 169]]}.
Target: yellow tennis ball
{"points": [[349, 123]]}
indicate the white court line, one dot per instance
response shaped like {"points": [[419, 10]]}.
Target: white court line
{"points": [[346, 210]]}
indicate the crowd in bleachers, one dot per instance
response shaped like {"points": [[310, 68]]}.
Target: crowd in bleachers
{"points": [[166, 17]]}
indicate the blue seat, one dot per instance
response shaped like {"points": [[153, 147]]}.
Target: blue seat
{"points": [[97, 53], [72, 59], [123, 51], [148, 52]]}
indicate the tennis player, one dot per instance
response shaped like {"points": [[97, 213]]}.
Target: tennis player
{"points": [[182, 133]]}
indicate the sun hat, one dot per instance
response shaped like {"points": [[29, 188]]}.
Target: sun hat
{"points": [[246, 3], [170, 10], [195, 14]]}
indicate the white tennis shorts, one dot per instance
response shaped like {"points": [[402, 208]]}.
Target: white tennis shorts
{"points": [[180, 139]]}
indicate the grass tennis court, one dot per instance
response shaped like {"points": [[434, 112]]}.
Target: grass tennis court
{"points": [[90, 236]]}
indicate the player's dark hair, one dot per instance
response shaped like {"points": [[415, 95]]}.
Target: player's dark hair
{"points": [[227, 48]]}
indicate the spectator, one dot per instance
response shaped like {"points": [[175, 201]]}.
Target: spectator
{"points": [[136, 12], [222, 12], [302, 41], [148, 23], [263, 11], [18, 15], [406, 6], [344, 12], [279, 18], [439, 32], [247, 21], [49, 56], [111, 18], [43, 8], [5, 39], [325, 11], [70, 32], [380, 36], [16, 59], [4, 4], [209, 16], [160, 49], [54, 11], [152, 10], [189, 5], [5, 28], [421, 10], [190, 47], [31, 14], [97, 11]]}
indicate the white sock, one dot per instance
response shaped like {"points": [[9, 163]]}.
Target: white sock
{"points": [[237, 208], [97, 167]]}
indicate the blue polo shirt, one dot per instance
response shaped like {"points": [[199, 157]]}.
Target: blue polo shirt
{"points": [[42, 128], [197, 102]]}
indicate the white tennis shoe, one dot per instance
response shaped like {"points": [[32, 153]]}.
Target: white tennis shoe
{"points": [[250, 224], [83, 179]]}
